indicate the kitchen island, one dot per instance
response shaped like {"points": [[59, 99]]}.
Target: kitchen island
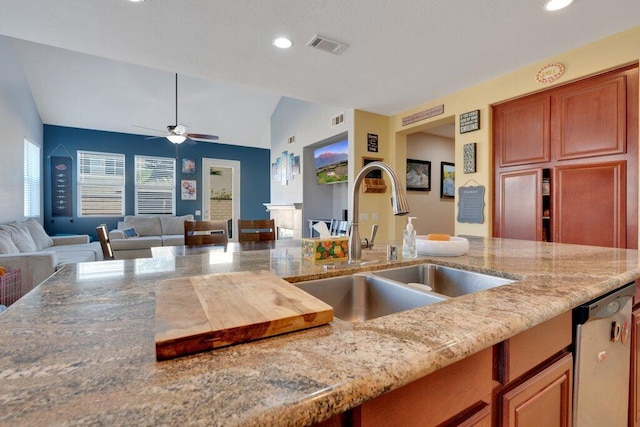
{"points": [[79, 349]]}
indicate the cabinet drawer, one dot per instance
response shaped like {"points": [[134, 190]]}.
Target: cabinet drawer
{"points": [[435, 398], [521, 353]]}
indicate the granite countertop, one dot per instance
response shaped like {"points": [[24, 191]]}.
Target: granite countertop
{"points": [[79, 349]]}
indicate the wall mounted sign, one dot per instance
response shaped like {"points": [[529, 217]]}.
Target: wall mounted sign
{"points": [[469, 157], [471, 204], [61, 191], [550, 73], [431, 112], [470, 121], [372, 142]]}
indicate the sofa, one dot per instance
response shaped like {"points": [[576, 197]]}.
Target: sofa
{"points": [[26, 246], [137, 234]]}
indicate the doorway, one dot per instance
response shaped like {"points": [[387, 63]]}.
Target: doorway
{"points": [[221, 193], [432, 147]]}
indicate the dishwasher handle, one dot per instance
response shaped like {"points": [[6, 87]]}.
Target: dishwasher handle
{"points": [[605, 306]]}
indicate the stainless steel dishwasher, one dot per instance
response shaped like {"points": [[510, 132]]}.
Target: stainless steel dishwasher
{"points": [[602, 359]]}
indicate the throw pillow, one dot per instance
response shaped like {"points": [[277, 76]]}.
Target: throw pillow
{"points": [[20, 236], [130, 232], [6, 244], [39, 236]]}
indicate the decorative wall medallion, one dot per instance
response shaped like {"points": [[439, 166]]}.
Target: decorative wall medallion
{"points": [[550, 73]]}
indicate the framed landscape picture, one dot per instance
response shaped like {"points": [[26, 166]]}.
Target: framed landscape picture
{"points": [[418, 175], [447, 180]]}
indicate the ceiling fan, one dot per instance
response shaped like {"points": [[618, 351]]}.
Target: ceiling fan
{"points": [[179, 133]]}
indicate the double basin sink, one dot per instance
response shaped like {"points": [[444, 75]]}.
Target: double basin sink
{"points": [[364, 296]]}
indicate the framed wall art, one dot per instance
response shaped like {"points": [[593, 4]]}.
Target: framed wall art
{"points": [[418, 175], [447, 180], [469, 154], [188, 188], [188, 166]]}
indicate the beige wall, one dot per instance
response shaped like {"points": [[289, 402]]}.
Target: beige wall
{"points": [[433, 214], [611, 52], [373, 203]]}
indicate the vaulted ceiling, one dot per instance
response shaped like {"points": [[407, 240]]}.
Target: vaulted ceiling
{"points": [[109, 65]]}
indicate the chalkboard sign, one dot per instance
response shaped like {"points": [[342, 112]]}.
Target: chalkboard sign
{"points": [[372, 142], [470, 121], [471, 204]]}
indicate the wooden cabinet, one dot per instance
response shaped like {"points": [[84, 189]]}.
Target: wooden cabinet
{"points": [[521, 131], [583, 139], [634, 392], [534, 375], [459, 394], [590, 204], [523, 381], [520, 198], [544, 399], [589, 117]]}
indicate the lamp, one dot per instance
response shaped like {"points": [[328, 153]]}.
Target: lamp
{"points": [[176, 139]]}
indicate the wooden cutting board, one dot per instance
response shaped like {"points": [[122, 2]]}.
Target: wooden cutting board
{"points": [[201, 313]]}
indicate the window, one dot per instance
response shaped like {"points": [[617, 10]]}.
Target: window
{"points": [[32, 180], [100, 184], [155, 185]]}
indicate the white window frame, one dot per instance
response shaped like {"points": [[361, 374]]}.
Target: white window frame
{"points": [[102, 174], [162, 187], [32, 180]]}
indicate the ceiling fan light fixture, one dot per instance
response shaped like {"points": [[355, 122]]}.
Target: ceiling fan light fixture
{"points": [[176, 139]]}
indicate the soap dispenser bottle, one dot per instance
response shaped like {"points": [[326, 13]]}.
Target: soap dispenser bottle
{"points": [[409, 241]]}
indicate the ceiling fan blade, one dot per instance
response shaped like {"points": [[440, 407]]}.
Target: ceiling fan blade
{"points": [[155, 130], [202, 136], [156, 137]]}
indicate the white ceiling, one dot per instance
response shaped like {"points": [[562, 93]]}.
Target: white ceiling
{"points": [[109, 64]]}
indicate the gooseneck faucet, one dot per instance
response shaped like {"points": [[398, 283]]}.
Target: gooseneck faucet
{"points": [[398, 202]]}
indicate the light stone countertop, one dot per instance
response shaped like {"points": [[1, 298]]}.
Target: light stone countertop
{"points": [[79, 349]]}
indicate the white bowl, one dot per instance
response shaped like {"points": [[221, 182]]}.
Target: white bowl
{"points": [[455, 247]]}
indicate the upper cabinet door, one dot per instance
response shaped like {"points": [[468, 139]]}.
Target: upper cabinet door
{"points": [[589, 118], [522, 131]]}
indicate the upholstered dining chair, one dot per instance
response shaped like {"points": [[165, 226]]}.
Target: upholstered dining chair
{"points": [[256, 230], [205, 233], [105, 244]]}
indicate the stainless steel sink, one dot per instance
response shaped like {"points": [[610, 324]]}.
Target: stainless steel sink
{"points": [[448, 281], [361, 297]]}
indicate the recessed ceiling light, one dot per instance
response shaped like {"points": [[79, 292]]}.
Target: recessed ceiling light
{"points": [[282, 43], [553, 5], [136, 1]]}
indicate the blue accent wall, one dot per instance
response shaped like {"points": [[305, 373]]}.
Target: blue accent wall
{"points": [[254, 179]]}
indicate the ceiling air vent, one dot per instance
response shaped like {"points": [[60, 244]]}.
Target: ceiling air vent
{"points": [[337, 120], [291, 139], [327, 45]]}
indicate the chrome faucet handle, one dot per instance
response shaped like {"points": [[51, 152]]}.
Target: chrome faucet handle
{"points": [[374, 230], [368, 243]]}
